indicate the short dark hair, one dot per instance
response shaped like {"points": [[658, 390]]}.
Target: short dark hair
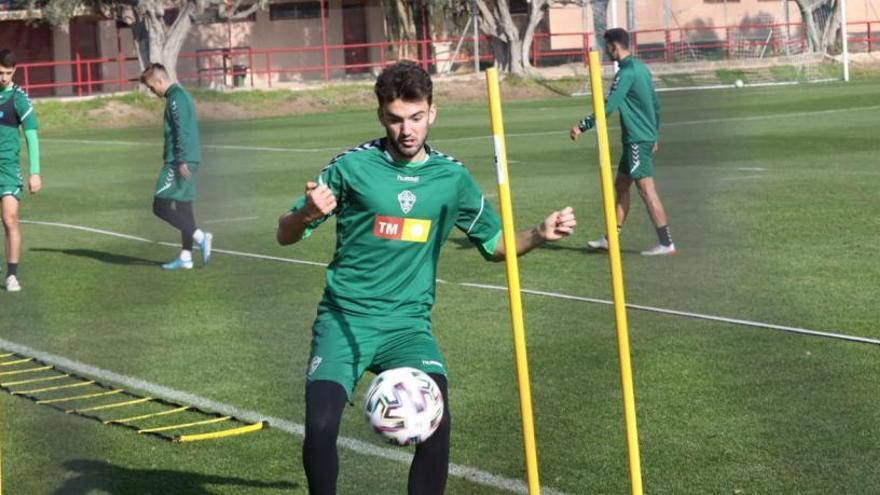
{"points": [[405, 80], [152, 71], [7, 58], [617, 35]]}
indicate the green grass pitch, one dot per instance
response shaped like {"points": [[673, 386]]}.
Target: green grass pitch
{"points": [[772, 199]]}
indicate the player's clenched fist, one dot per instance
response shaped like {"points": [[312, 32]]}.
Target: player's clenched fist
{"points": [[320, 201], [558, 225]]}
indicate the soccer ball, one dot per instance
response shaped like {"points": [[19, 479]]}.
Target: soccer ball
{"points": [[739, 83], [404, 405]]}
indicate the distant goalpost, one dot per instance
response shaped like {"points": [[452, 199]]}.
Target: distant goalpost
{"points": [[770, 54]]}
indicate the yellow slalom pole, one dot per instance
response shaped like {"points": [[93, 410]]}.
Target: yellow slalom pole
{"points": [[629, 403], [516, 315]]}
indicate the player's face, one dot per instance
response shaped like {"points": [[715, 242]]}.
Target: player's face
{"points": [[6, 74], [611, 49], [156, 86], [406, 124]]}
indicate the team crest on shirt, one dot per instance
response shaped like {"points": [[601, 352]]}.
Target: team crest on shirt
{"points": [[406, 199]]}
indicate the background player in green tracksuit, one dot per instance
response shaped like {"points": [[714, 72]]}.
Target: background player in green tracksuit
{"points": [[632, 92], [176, 187], [395, 200], [16, 111]]}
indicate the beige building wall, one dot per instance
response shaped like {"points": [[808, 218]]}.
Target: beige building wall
{"points": [[280, 50], [566, 19], [709, 17], [290, 48]]}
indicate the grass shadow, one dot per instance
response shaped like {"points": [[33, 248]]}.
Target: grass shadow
{"points": [[102, 256], [89, 475]]}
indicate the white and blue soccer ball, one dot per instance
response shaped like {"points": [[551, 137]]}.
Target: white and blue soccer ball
{"points": [[739, 83], [404, 405]]}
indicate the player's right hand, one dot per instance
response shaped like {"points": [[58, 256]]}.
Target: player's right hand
{"points": [[575, 132], [35, 183], [320, 201]]}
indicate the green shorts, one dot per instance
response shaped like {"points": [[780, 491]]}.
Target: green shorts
{"points": [[636, 160], [344, 347], [11, 190], [171, 185]]}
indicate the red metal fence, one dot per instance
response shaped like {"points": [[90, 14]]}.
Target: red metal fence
{"points": [[236, 67]]}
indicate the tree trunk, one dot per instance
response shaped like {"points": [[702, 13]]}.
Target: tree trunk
{"points": [[400, 27], [809, 26], [174, 38], [497, 23], [600, 23], [510, 46], [501, 53], [155, 41], [830, 28], [536, 15], [823, 35]]}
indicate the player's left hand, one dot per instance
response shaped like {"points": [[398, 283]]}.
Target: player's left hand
{"points": [[558, 225], [575, 132], [184, 171], [34, 183], [656, 147]]}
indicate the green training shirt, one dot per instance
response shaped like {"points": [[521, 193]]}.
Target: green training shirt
{"points": [[16, 110], [391, 221], [181, 127], [632, 91]]}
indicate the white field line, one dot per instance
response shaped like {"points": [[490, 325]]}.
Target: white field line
{"points": [[727, 86], [87, 229], [474, 138], [227, 220], [160, 391], [752, 169], [557, 295], [687, 314], [744, 177]]}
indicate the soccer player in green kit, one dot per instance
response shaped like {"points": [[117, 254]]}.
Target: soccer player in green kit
{"points": [[396, 200], [176, 187], [632, 92], [16, 111]]}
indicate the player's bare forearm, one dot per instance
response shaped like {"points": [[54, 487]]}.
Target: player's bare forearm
{"points": [[526, 240], [558, 225], [291, 227], [319, 202]]}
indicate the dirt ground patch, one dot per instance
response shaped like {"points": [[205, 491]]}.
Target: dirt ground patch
{"points": [[117, 114], [122, 111]]}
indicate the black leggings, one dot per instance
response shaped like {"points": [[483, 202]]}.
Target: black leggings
{"points": [[180, 216], [325, 401]]}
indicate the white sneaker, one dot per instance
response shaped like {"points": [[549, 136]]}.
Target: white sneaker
{"points": [[205, 247], [12, 284], [661, 250], [601, 243]]}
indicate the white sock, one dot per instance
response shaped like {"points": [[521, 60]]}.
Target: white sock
{"points": [[186, 255], [198, 235]]}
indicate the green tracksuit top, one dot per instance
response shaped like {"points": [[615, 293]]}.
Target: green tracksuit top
{"points": [[181, 127], [16, 110], [391, 221], [632, 92]]}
